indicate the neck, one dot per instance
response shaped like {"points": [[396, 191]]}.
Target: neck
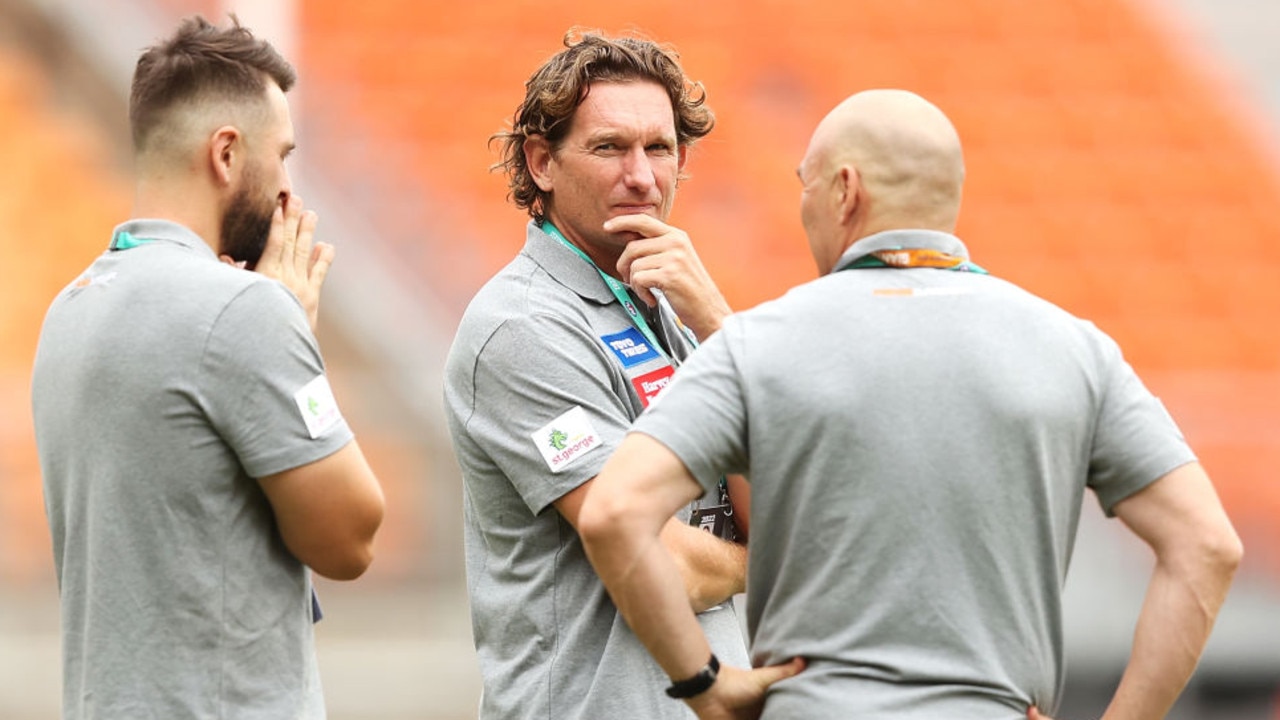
{"points": [[168, 198], [605, 261], [919, 220]]}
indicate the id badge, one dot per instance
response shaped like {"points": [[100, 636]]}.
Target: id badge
{"points": [[715, 519]]}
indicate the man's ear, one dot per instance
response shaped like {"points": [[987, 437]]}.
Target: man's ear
{"points": [[537, 156], [226, 153], [850, 194], [682, 154]]}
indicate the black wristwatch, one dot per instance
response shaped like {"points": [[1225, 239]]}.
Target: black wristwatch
{"points": [[697, 684]]}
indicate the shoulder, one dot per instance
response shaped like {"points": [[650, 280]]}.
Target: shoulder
{"points": [[524, 300]]}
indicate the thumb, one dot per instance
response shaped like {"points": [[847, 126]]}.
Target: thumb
{"points": [[771, 674], [1034, 714]]}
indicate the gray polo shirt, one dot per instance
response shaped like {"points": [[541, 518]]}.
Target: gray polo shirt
{"points": [[918, 443], [165, 381], [544, 378]]}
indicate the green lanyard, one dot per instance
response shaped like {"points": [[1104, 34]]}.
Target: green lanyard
{"points": [[616, 287], [620, 292]]}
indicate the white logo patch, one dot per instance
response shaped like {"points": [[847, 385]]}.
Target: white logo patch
{"points": [[565, 439], [319, 409]]}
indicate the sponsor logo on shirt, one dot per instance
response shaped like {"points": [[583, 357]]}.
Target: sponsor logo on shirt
{"points": [[565, 439], [88, 280], [651, 384], [630, 347], [920, 291], [318, 407]]}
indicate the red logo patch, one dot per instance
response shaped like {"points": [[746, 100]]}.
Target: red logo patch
{"points": [[651, 384]]}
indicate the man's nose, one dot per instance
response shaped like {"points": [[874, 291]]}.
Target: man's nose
{"points": [[638, 171]]}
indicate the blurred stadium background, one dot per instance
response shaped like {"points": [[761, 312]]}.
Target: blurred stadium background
{"points": [[1124, 162]]}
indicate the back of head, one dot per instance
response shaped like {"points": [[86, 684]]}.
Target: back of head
{"points": [[200, 66], [907, 154], [554, 92]]}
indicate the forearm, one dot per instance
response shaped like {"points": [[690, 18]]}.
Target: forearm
{"points": [[1173, 627], [713, 570], [658, 612]]}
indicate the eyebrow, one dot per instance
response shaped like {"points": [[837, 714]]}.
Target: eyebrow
{"points": [[615, 136]]}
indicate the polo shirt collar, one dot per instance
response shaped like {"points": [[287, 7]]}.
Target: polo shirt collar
{"points": [[166, 231], [565, 266], [904, 240]]}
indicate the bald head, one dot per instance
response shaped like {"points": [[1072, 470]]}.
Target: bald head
{"points": [[904, 154]]}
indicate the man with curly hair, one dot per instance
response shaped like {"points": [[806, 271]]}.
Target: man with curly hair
{"points": [[556, 356]]}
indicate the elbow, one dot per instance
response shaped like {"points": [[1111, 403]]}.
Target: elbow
{"points": [[1225, 552], [347, 566], [1213, 556], [348, 557], [607, 527], [596, 521]]}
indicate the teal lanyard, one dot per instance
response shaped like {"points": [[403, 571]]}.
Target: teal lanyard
{"points": [[616, 287], [125, 241], [620, 292]]}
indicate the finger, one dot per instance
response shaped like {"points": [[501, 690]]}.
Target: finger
{"points": [[273, 251], [321, 261], [645, 225], [640, 256], [773, 673], [641, 287], [306, 236], [292, 220]]}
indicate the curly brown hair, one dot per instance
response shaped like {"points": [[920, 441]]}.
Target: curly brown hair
{"points": [[554, 92], [201, 60]]}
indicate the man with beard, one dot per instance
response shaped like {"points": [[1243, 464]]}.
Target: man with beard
{"points": [[195, 462]]}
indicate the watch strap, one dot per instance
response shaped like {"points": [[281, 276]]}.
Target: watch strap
{"points": [[697, 684]]}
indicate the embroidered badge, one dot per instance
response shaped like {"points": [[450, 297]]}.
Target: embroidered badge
{"points": [[565, 439], [630, 347], [651, 384], [319, 409]]}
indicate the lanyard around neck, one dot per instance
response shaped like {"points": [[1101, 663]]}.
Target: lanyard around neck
{"points": [[123, 240], [615, 286], [913, 258]]}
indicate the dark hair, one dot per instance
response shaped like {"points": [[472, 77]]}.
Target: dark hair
{"points": [[199, 61], [554, 92]]}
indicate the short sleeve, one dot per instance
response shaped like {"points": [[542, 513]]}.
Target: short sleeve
{"points": [[263, 384], [702, 415], [1136, 442], [547, 407]]}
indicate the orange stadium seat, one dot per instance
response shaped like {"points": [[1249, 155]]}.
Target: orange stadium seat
{"points": [[1105, 173], [59, 200]]}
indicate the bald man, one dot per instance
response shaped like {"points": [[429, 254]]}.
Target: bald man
{"points": [[918, 436], [195, 461]]}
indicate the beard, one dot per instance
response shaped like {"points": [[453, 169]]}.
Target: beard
{"points": [[246, 224]]}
